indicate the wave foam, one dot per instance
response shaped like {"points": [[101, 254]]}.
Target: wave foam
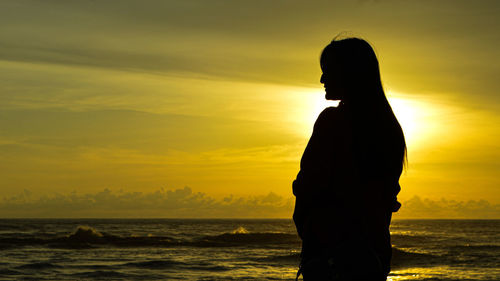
{"points": [[85, 233]]}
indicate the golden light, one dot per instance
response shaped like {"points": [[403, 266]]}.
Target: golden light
{"points": [[420, 118], [406, 113], [308, 104]]}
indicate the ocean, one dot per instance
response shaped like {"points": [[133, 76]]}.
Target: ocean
{"points": [[226, 249]]}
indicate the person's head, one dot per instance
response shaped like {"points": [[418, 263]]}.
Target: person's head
{"points": [[350, 71], [351, 74]]}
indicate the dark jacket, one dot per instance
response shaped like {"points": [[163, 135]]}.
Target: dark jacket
{"points": [[348, 181]]}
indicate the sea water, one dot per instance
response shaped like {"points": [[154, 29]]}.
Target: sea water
{"points": [[226, 249]]}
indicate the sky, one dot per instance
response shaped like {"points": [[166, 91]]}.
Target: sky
{"points": [[203, 108]]}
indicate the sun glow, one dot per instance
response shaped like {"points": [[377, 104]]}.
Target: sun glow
{"points": [[419, 118], [309, 104], [406, 113]]}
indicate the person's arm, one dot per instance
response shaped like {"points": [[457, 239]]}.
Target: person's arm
{"points": [[314, 167], [315, 162]]}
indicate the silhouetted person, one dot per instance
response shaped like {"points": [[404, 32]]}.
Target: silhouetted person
{"points": [[348, 181]]}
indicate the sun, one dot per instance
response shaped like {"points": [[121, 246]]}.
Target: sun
{"points": [[317, 103], [420, 118], [406, 113]]}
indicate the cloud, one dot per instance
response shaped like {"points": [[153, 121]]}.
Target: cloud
{"points": [[194, 38], [417, 207], [170, 39], [185, 203], [177, 203]]}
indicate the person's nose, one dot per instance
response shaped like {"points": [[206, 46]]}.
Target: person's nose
{"points": [[322, 79]]}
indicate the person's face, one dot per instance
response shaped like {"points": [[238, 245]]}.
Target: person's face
{"points": [[333, 84]]}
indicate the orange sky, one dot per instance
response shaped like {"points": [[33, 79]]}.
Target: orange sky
{"points": [[152, 96]]}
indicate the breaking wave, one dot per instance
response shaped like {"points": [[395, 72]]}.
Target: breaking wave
{"points": [[87, 237], [247, 239]]}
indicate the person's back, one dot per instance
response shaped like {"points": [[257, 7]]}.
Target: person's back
{"points": [[347, 185]]}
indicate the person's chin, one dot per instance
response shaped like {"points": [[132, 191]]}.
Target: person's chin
{"points": [[331, 97]]}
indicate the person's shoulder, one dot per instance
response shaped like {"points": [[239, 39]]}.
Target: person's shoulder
{"points": [[330, 111], [328, 116]]}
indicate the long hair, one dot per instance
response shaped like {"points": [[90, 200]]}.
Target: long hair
{"points": [[355, 62]]}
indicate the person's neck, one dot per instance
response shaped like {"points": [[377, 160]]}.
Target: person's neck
{"points": [[360, 104], [345, 103]]}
